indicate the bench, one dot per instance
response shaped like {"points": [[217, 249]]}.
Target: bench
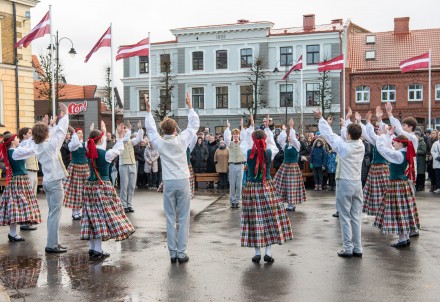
{"points": [[208, 177], [306, 171], [3, 181]]}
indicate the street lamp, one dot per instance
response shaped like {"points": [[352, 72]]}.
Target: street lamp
{"points": [[286, 96]]}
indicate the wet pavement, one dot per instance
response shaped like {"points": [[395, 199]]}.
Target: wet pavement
{"points": [[305, 269]]}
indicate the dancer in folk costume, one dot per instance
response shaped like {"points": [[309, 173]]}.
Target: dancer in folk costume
{"points": [[24, 134], [18, 203], [379, 173], [288, 180], [176, 188], [78, 172], [397, 213], [128, 168], [103, 215], [237, 157], [264, 220]]}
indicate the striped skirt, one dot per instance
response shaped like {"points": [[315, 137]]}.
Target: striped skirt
{"points": [[289, 183], [19, 204], [74, 185], [102, 213], [192, 182], [375, 186], [263, 218], [397, 212]]}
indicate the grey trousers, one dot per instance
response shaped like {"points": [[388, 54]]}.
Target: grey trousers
{"points": [[349, 200], [176, 204], [33, 178], [235, 183], [127, 183], [54, 196]]}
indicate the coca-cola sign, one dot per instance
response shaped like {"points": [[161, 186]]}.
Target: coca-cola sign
{"points": [[76, 108]]}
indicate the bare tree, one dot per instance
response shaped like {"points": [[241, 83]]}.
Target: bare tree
{"points": [[166, 91], [324, 93], [256, 77], [45, 78], [107, 100]]}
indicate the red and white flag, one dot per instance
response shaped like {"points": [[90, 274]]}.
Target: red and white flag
{"points": [[418, 62], [297, 66], [104, 41], [142, 48], [38, 31], [336, 63]]}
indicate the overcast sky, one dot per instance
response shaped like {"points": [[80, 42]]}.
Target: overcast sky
{"points": [[84, 21]]}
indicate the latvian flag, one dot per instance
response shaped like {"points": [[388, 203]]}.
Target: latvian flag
{"points": [[104, 41], [336, 63], [418, 62], [38, 31], [297, 66], [142, 48]]}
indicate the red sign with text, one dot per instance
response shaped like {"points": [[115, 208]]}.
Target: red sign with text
{"points": [[76, 108]]}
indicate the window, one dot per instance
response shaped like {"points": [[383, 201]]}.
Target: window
{"points": [[312, 54], [165, 63], [363, 94], [246, 57], [221, 95], [312, 94], [286, 56], [246, 96], [221, 59], [142, 100], [286, 95], [370, 55], [370, 40], [415, 92], [197, 60], [143, 64], [198, 97], [389, 93], [437, 92], [164, 102]]}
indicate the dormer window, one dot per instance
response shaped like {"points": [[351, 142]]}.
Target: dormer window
{"points": [[370, 55], [370, 40]]}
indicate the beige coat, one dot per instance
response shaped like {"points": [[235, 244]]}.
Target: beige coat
{"points": [[221, 158]]}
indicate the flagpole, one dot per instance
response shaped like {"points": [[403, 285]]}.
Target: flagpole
{"points": [[52, 72], [112, 97], [149, 69], [302, 103], [429, 91]]}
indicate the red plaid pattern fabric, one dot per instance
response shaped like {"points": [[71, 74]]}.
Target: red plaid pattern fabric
{"points": [[289, 183], [19, 204], [74, 185], [102, 213], [192, 182], [398, 212], [263, 218], [375, 186]]}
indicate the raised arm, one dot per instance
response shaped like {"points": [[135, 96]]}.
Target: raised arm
{"points": [[59, 131], [227, 135], [74, 142], [295, 142], [23, 152], [187, 135], [139, 135], [391, 155], [192, 143], [281, 139], [150, 125]]}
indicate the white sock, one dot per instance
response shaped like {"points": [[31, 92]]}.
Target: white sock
{"points": [[257, 251], [91, 244], [402, 237], [268, 248], [76, 212], [98, 245], [13, 230]]}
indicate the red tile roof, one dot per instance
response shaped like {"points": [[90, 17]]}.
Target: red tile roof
{"points": [[68, 91], [300, 30], [391, 49], [36, 64]]}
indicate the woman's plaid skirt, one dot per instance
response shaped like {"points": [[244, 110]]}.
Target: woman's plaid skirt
{"points": [[263, 218], [375, 186], [192, 182], [19, 204], [290, 184], [397, 212], [102, 213], [74, 185]]}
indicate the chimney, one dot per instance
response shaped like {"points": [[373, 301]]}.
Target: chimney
{"points": [[401, 25], [309, 22], [337, 21]]}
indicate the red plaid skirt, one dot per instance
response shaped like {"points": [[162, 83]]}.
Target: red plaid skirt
{"points": [[375, 186], [397, 212], [263, 218], [19, 204], [192, 182], [102, 213], [74, 185], [289, 183]]}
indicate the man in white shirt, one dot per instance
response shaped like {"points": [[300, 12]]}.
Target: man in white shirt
{"points": [[175, 175], [349, 199], [47, 150]]}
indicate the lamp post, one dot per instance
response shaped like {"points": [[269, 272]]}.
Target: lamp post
{"points": [[286, 97]]}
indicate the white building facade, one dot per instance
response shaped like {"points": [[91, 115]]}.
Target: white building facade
{"points": [[213, 63]]}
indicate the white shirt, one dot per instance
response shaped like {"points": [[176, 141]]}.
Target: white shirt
{"points": [[399, 130], [244, 133], [172, 148], [270, 141], [282, 140], [389, 153], [137, 139]]}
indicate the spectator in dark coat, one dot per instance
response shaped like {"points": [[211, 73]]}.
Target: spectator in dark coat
{"points": [[421, 162], [366, 162], [212, 146], [318, 162], [142, 178], [429, 160], [65, 152], [199, 157]]}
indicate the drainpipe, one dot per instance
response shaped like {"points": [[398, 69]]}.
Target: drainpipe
{"points": [[17, 99]]}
